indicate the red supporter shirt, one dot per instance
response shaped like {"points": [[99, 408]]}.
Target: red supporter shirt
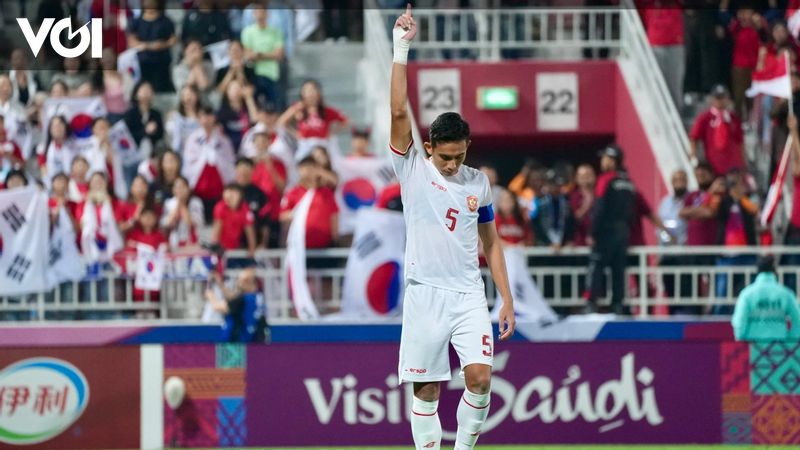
{"points": [[233, 224], [701, 231], [154, 238], [318, 225], [583, 227], [209, 185], [642, 210], [745, 45], [10, 146], [664, 25], [263, 180], [722, 137], [510, 230], [795, 220], [315, 126]]}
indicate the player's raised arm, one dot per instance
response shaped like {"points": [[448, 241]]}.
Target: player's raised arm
{"points": [[403, 32]]}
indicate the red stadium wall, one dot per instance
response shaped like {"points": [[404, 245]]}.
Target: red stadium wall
{"points": [[641, 162], [595, 86]]}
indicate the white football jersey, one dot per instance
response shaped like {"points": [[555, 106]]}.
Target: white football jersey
{"points": [[442, 215]]}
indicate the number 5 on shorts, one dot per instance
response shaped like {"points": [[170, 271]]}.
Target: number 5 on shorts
{"points": [[487, 343]]}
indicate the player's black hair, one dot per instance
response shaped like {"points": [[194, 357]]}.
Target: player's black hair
{"points": [[448, 127], [246, 161]]}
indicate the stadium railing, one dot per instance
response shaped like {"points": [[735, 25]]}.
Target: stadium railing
{"points": [[699, 277], [488, 34]]}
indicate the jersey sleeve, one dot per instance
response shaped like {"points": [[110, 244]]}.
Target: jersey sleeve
{"points": [[485, 208], [403, 161]]}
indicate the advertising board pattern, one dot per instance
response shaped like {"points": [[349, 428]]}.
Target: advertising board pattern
{"points": [[69, 398], [214, 411]]}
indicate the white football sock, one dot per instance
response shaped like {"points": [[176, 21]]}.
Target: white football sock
{"points": [[425, 425], [472, 412]]}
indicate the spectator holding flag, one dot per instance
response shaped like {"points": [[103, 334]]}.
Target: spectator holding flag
{"points": [[10, 153], [208, 161], [56, 152], [78, 179], [269, 175], [182, 217], [322, 224], [97, 217]]}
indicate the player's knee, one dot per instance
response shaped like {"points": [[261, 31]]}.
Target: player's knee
{"points": [[428, 392], [479, 382]]}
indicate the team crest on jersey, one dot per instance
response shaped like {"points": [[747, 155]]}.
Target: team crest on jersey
{"points": [[472, 203]]}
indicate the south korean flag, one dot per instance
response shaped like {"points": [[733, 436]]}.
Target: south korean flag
{"points": [[24, 227]]}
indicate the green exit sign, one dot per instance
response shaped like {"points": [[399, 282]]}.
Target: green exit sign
{"points": [[498, 97]]}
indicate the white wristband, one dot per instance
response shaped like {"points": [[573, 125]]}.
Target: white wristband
{"points": [[401, 46]]}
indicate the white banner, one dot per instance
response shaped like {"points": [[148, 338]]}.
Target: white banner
{"points": [[373, 282], [65, 262], [296, 261], [149, 267], [529, 304], [100, 237], [24, 227], [360, 182]]}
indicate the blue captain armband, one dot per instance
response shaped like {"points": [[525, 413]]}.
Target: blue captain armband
{"points": [[485, 214]]}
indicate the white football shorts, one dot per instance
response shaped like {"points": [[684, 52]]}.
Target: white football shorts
{"points": [[434, 317]]}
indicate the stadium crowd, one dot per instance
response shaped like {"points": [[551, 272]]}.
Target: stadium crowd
{"points": [[223, 157]]}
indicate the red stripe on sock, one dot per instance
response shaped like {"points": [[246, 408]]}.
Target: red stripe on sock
{"points": [[473, 406], [420, 414]]}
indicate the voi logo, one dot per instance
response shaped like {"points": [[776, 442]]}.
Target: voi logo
{"points": [[39, 399], [36, 40]]}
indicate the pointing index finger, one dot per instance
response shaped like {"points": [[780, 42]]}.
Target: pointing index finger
{"points": [[408, 10]]}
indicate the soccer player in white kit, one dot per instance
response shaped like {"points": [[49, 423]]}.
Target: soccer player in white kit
{"points": [[447, 206]]}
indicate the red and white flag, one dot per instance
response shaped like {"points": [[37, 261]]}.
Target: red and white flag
{"points": [[773, 78], [776, 188], [296, 261]]}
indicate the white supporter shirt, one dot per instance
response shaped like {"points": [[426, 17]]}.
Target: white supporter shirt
{"points": [[442, 216]]}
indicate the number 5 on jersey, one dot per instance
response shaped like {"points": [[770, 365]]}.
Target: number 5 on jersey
{"points": [[451, 216]]}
